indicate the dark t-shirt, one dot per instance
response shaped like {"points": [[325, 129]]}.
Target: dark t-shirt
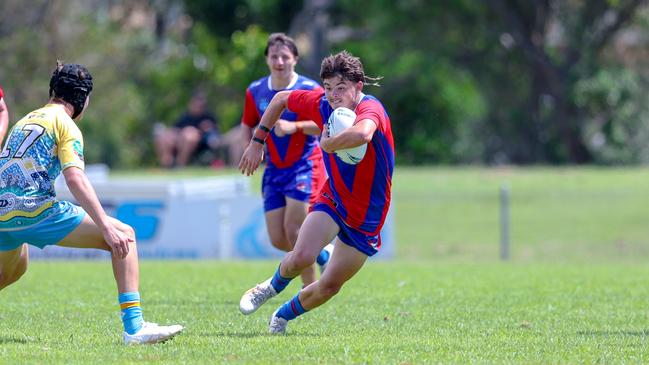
{"points": [[189, 120]]}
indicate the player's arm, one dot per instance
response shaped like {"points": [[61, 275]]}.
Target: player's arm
{"points": [[246, 134], [285, 127], [84, 193], [254, 153], [356, 135], [4, 119], [249, 119]]}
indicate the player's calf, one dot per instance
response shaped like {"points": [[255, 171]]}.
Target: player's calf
{"points": [[13, 265], [325, 290]]}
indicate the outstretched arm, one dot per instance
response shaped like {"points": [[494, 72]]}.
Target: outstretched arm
{"points": [[84, 193], [284, 127], [254, 153]]}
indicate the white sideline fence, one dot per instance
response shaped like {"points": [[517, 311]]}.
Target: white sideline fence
{"points": [[192, 218]]}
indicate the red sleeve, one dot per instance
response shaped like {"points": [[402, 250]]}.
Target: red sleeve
{"points": [[306, 103], [371, 110], [250, 116], [1, 93]]}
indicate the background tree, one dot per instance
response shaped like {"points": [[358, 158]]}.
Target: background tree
{"points": [[499, 81]]}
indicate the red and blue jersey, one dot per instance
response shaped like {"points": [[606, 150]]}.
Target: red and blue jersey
{"points": [[288, 150], [359, 193]]}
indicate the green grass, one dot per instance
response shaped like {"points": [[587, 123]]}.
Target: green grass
{"points": [[575, 290], [391, 312], [568, 214]]}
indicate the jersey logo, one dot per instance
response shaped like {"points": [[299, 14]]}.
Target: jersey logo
{"points": [[263, 104]]}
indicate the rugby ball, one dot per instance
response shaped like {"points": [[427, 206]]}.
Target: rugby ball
{"points": [[339, 120]]}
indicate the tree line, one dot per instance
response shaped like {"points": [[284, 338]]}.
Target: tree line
{"points": [[491, 82]]}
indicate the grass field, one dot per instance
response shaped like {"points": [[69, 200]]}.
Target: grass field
{"points": [[575, 290], [392, 312]]}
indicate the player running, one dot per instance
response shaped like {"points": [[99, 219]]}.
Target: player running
{"points": [[39, 147], [294, 173], [354, 201]]}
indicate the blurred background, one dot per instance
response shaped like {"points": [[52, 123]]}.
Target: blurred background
{"points": [[496, 83], [466, 82]]}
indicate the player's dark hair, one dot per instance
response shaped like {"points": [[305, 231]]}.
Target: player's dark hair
{"points": [[347, 67], [282, 40], [71, 83]]}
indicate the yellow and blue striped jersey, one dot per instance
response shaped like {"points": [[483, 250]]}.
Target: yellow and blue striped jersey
{"points": [[40, 146]]}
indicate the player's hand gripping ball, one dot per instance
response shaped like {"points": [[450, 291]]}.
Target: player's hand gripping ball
{"points": [[339, 120]]}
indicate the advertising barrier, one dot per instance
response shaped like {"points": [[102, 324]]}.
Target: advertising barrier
{"points": [[216, 217]]}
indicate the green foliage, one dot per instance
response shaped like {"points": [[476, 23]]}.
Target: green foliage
{"points": [[222, 68], [617, 107], [225, 17], [430, 97], [464, 81]]}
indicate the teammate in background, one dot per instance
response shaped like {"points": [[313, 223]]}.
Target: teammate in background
{"points": [[354, 201], [39, 147], [4, 117], [294, 172]]}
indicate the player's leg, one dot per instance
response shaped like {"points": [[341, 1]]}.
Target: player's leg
{"points": [[275, 228], [13, 264], [317, 230], [126, 271], [274, 208], [344, 264], [296, 212], [89, 235], [187, 144]]}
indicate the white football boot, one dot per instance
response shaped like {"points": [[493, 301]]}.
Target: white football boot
{"points": [[329, 248], [152, 333], [256, 297], [277, 325]]}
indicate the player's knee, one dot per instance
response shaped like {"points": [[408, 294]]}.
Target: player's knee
{"points": [[301, 259], [329, 288], [279, 241], [281, 245], [130, 232]]}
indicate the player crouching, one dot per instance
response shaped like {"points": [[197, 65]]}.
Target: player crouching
{"points": [[42, 145]]}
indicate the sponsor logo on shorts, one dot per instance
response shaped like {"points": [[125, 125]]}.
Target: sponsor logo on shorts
{"points": [[373, 241]]}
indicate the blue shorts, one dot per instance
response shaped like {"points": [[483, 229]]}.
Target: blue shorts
{"points": [[50, 231], [367, 244], [300, 183]]}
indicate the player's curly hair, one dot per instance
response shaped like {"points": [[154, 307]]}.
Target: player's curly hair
{"points": [[71, 83], [283, 40], [347, 67]]}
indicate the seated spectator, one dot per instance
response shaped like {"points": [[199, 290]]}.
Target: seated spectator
{"points": [[230, 144], [193, 132]]}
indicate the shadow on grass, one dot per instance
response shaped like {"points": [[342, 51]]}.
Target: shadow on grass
{"points": [[641, 333], [4, 340]]}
